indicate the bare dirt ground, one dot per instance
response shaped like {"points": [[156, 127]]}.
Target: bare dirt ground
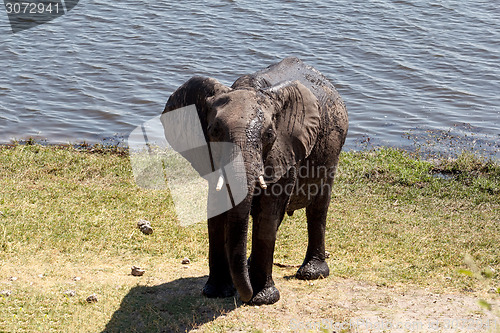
{"points": [[167, 298], [337, 304], [370, 308]]}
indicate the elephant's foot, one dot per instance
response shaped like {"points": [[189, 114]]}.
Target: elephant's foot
{"points": [[268, 295], [211, 290], [312, 270]]}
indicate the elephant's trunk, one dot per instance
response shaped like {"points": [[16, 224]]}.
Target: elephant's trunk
{"points": [[236, 248], [237, 221]]}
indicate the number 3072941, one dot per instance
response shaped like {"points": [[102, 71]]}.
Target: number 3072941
{"points": [[31, 8]]}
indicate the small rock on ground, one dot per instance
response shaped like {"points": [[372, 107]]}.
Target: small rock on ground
{"points": [[92, 298], [5, 293], [137, 271], [145, 227], [186, 261], [70, 293]]}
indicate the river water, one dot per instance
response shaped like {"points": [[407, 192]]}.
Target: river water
{"points": [[414, 74]]}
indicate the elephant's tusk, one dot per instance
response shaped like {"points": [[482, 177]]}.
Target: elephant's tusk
{"points": [[262, 182], [220, 182]]}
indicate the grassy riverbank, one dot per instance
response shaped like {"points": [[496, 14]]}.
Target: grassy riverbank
{"points": [[395, 222]]}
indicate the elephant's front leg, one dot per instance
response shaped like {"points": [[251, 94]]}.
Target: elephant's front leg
{"points": [[267, 214], [314, 265], [219, 282]]}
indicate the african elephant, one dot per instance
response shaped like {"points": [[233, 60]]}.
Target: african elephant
{"points": [[289, 124]]}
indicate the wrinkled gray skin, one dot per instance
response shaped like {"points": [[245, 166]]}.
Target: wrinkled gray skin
{"points": [[290, 124]]}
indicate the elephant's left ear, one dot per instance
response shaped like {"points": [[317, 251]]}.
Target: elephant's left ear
{"points": [[297, 121]]}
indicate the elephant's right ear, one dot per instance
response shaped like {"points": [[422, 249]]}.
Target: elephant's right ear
{"points": [[185, 120], [297, 122], [196, 91]]}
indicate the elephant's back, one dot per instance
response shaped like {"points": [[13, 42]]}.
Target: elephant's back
{"points": [[293, 69], [290, 69]]}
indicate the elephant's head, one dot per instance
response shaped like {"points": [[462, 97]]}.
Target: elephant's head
{"points": [[273, 128]]}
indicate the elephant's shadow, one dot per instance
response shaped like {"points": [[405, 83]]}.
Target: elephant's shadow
{"points": [[176, 306]]}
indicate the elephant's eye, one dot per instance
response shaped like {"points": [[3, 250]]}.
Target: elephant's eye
{"points": [[214, 129], [269, 134]]}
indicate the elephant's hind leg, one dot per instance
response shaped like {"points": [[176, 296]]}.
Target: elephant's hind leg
{"points": [[314, 265]]}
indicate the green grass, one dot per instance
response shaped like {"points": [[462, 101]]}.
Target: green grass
{"points": [[394, 219], [74, 202]]}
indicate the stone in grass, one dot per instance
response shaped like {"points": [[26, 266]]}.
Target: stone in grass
{"points": [[137, 271], [92, 299], [70, 293], [5, 293], [186, 261], [145, 227]]}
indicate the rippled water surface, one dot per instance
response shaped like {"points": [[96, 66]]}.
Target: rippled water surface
{"points": [[409, 71]]}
